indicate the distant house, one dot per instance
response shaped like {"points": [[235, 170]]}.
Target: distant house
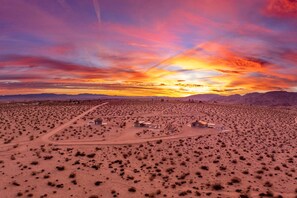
{"points": [[202, 124], [211, 125], [142, 124], [199, 123], [98, 121]]}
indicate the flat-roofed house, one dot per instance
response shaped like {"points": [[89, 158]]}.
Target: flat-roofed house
{"points": [[211, 125], [142, 124]]}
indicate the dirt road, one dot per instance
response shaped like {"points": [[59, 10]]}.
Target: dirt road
{"points": [[126, 138], [63, 126]]}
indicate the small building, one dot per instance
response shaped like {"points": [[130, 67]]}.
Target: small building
{"points": [[199, 123], [98, 121], [138, 123], [211, 125]]}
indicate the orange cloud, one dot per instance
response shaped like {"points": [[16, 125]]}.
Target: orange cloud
{"points": [[226, 71]]}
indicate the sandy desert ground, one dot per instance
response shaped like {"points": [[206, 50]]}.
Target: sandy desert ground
{"points": [[51, 149]]}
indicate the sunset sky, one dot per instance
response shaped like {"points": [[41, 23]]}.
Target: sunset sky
{"points": [[148, 47]]}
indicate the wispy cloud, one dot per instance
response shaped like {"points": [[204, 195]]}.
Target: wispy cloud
{"points": [[97, 10]]}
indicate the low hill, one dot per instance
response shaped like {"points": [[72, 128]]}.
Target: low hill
{"points": [[270, 98]]}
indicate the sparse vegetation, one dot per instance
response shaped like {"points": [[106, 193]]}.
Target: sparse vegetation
{"points": [[254, 157]]}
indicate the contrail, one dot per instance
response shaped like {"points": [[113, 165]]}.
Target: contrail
{"points": [[97, 10], [172, 57]]}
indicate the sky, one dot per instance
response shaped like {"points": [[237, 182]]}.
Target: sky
{"points": [[148, 47]]}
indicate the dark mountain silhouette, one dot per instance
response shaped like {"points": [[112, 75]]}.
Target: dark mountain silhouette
{"points": [[50, 96], [270, 98]]}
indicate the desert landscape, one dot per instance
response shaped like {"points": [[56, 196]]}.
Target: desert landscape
{"points": [[148, 98], [57, 150]]}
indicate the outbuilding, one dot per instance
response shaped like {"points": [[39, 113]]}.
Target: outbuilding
{"points": [[98, 121], [211, 125], [138, 123]]}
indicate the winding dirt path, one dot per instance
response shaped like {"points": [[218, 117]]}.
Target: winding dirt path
{"points": [[132, 140], [126, 138], [129, 137]]}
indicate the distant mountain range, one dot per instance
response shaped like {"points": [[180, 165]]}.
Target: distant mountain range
{"points": [[49, 96], [269, 98]]}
